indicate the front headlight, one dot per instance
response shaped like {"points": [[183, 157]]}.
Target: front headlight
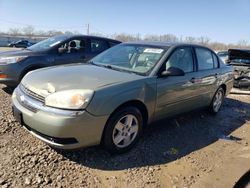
{"points": [[8, 60], [70, 99]]}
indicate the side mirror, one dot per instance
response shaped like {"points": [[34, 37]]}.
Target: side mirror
{"points": [[173, 71], [62, 50]]}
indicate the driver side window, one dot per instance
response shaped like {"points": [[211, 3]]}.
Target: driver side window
{"points": [[181, 58]]}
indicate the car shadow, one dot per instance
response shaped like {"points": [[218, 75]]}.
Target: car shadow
{"points": [[170, 139], [244, 181], [8, 90]]}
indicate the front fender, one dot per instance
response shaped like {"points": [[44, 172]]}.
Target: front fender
{"points": [[107, 99]]}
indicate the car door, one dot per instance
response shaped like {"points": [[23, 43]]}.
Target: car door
{"points": [[177, 94], [208, 75], [20, 44], [73, 51]]}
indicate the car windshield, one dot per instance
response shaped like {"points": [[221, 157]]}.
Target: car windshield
{"points": [[130, 57], [47, 44]]}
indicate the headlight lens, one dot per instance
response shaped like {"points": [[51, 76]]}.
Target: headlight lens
{"points": [[9, 60], [70, 99]]}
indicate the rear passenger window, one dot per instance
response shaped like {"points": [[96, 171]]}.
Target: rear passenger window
{"points": [[111, 44], [181, 58], [98, 45], [205, 59]]}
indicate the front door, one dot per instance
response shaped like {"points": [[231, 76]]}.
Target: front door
{"points": [[177, 94]]}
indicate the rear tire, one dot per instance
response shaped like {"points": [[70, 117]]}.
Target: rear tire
{"points": [[123, 130], [217, 101]]}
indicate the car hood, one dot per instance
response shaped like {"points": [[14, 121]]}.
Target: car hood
{"points": [[12, 53], [49, 80], [239, 57]]}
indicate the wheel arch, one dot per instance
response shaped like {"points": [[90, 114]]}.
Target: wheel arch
{"points": [[132, 103], [224, 87]]}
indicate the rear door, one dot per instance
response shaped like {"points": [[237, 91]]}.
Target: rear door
{"points": [[208, 75], [177, 94]]}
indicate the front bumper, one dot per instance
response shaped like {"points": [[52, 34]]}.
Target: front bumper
{"points": [[62, 129], [12, 71]]}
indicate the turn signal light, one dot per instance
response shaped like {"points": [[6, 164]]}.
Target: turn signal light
{"points": [[3, 76]]}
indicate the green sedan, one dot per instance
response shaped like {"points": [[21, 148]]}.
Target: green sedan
{"points": [[112, 98]]}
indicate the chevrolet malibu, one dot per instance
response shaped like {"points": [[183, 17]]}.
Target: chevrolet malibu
{"points": [[112, 98]]}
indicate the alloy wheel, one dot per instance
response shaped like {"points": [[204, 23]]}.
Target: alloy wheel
{"points": [[125, 131], [218, 100]]}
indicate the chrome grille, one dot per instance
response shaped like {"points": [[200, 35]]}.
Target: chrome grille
{"points": [[32, 94]]}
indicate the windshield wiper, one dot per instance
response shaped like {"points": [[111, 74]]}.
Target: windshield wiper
{"points": [[101, 65], [114, 68], [109, 66]]}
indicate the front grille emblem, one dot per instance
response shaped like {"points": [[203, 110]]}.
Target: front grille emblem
{"points": [[22, 98]]}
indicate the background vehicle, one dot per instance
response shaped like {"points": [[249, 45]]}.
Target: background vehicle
{"points": [[57, 50], [21, 44], [223, 55], [240, 59], [111, 100]]}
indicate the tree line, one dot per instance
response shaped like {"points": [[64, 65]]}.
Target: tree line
{"points": [[31, 32]]}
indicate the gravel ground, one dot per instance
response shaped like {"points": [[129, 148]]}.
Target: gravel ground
{"points": [[171, 153]]}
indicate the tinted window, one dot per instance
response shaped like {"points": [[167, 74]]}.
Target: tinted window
{"points": [[98, 45], [73, 46], [181, 58], [112, 43], [205, 59]]}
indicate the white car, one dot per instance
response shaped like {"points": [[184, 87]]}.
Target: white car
{"points": [[223, 55]]}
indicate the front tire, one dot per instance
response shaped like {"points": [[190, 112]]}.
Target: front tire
{"points": [[217, 101], [123, 130]]}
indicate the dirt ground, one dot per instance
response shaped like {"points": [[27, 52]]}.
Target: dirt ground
{"points": [[193, 150]]}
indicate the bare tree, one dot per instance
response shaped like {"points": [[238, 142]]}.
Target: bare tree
{"points": [[41, 33], [68, 33], [29, 31], [76, 32], [168, 38], [152, 38], [190, 39], [203, 40], [14, 31], [96, 34], [242, 43], [125, 37]]}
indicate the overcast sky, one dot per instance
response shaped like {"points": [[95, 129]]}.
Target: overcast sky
{"points": [[221, 20]]}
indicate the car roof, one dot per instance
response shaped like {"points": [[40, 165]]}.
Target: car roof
{"points": [[88, 36], [164, 44]]}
